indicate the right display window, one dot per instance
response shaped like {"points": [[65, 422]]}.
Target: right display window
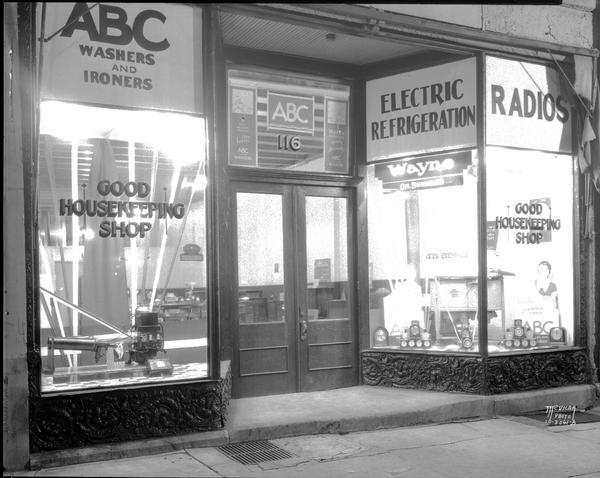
{"points": [[529, 206], [530, 248]]}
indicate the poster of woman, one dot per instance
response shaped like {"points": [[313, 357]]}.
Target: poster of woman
{"points": [[548, 293]]}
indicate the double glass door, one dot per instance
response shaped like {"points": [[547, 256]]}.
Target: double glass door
{"points": [[295, 327]]}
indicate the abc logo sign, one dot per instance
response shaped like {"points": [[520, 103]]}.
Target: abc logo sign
{"points": [[290, 113]]}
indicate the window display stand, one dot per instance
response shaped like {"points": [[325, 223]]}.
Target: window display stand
{"points": [[454, 300], [141, 344]]}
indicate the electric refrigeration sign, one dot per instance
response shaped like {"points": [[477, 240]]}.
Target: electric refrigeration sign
{"points": [[424, 173], [422, 111], [121, 54], [526, 106]]}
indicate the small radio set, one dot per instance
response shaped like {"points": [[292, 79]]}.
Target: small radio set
{"points": [[521, 336], [149, 336], [465, 336], [413, 337]]}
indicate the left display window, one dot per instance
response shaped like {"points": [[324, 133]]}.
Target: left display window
{"points": [[121, 244]]}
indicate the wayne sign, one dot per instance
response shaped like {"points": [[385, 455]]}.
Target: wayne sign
{"points": [[125, 54], [422, 111], [424, 172]]}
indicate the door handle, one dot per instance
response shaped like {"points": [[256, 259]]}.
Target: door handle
{"points": [[303, 327]]}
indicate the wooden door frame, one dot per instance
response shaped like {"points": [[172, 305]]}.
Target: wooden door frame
{"points": [[301, 265], [294, 232], [286, 193]]}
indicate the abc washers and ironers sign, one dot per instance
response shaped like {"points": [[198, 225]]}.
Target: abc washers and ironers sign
{"points": [[526, 106], [421, 111], [145, 55]]}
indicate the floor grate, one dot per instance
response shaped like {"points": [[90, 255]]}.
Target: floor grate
{"points": [[252, 452]]}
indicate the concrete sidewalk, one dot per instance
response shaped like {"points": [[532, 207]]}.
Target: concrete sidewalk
{"points": [[353, 409], [500, 447]]}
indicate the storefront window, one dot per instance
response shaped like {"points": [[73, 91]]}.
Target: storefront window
{"points": [[530, 244], [297, 123], [423, 253], [122, 234]]}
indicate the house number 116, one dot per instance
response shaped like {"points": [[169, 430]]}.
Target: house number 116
{"points": [[286, 142]]}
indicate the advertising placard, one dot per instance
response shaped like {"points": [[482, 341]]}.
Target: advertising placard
{"points": [[323, 269], [126, 54], [526, 106], [421, 111], [242, 127], [336, 136], [424, 173], [280, 125], [290, 113]]}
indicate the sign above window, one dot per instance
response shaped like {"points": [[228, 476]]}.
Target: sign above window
{"points": [[281, 122], [124, 54], [428, 172], [526, 106], [422, 111]]}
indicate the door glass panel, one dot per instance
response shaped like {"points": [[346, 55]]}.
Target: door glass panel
{"points": [[326, 258], [260, 258]]}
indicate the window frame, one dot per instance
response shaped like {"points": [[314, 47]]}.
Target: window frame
{"points": [[481, 149]]}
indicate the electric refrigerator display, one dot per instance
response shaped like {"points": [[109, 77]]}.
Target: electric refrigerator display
{"points": [[423, 243]]}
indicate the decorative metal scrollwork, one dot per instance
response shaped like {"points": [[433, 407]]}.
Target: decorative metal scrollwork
{"points": [[535, 371], [497, 374], [127, 414], [430, 372]]}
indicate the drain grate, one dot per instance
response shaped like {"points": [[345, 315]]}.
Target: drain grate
{"points": [[252, 452]]}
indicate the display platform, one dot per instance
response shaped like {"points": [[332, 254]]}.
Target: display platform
{"points": [[98, 376]]}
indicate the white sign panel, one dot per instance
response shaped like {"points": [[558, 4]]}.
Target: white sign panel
{"points": [[421, 111], [127, 54], [525, 106]]}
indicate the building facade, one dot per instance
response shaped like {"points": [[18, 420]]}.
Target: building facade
{"points": [[229, 200]]}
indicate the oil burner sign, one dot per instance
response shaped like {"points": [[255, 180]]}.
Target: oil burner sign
{"points": [[125, 54]]}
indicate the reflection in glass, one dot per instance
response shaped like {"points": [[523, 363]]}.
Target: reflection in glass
{"points": [[260, 258], [326, 258], [121, 247]]}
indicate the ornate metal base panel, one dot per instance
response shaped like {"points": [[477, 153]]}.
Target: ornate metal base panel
{"points": [[447, 373], [127, 414], [455, 373], [535, 371]]}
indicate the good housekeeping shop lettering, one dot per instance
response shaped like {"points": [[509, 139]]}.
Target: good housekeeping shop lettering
{"points": [[129, 209]]}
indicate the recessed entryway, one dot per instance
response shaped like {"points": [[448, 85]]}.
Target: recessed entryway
{"points": [[295, 326]]}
